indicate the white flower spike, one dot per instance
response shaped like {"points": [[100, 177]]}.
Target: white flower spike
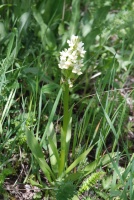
{"points": [[72, 58]]}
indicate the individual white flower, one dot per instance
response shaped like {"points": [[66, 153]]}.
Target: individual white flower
{"points": [[73, 40], [72, 58]]}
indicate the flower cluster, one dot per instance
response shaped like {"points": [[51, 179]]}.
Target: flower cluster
{"points": [[72, 58]]}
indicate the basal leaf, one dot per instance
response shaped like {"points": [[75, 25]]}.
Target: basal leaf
{"points": [[78, 160], [38, 154]]}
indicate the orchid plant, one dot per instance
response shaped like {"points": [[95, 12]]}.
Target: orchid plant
{"points": [[71, 63], [58, 168]]}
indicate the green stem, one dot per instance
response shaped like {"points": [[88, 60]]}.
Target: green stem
{"points": [[65, 107], [65, 128]]}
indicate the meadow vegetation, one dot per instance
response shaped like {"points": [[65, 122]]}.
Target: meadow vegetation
{"points": [[65, 140]]}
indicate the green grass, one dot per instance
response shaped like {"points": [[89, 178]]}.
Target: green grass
{"points": [[99, 124]]}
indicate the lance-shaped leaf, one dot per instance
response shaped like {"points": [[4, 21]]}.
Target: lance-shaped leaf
{"points": [[38, 154], [78, 160]]}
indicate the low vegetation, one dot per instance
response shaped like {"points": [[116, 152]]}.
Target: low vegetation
{"points": [[67, 100]]}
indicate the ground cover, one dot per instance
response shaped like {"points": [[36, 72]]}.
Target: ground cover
{"points": [[66, 131]]}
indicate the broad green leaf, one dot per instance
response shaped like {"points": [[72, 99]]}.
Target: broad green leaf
{"points": [[104, 160], [110, 49], [78, 160], [24, 21], [38, 154], [53, 153], [122, 63], [47, 35], [107, 158], [49, 88], [91, 167]]}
